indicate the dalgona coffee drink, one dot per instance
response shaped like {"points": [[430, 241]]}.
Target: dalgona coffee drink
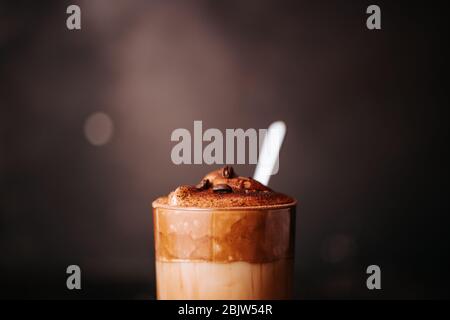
{"points": [[229, 237]]}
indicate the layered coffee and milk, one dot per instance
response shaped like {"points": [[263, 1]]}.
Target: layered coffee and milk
{"points": [[229, 237]]}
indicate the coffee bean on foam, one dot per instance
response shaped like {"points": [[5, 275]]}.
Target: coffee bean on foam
{"points": [[204, 184], [222, 188], [227, 172]]}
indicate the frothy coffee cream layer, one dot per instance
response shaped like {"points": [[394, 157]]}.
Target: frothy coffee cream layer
{"points": [[224, 189], [225, 218]]}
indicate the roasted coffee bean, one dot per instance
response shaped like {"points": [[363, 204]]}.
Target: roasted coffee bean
{"points": [[227, 172], [222, 188], [203, 184]]}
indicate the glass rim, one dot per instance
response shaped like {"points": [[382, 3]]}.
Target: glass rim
{"points": [[292, 204]]}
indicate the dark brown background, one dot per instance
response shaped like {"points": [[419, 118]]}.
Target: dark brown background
{"points": [[365, 154]]}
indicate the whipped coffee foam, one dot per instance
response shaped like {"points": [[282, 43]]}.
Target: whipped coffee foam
{"points": [[224, 189]]}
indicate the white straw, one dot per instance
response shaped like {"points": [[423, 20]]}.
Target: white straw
{"points": [[268, 155]]}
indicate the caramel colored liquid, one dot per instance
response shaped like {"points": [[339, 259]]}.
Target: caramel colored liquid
{"points": [[242, 253], [224, 281]]}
